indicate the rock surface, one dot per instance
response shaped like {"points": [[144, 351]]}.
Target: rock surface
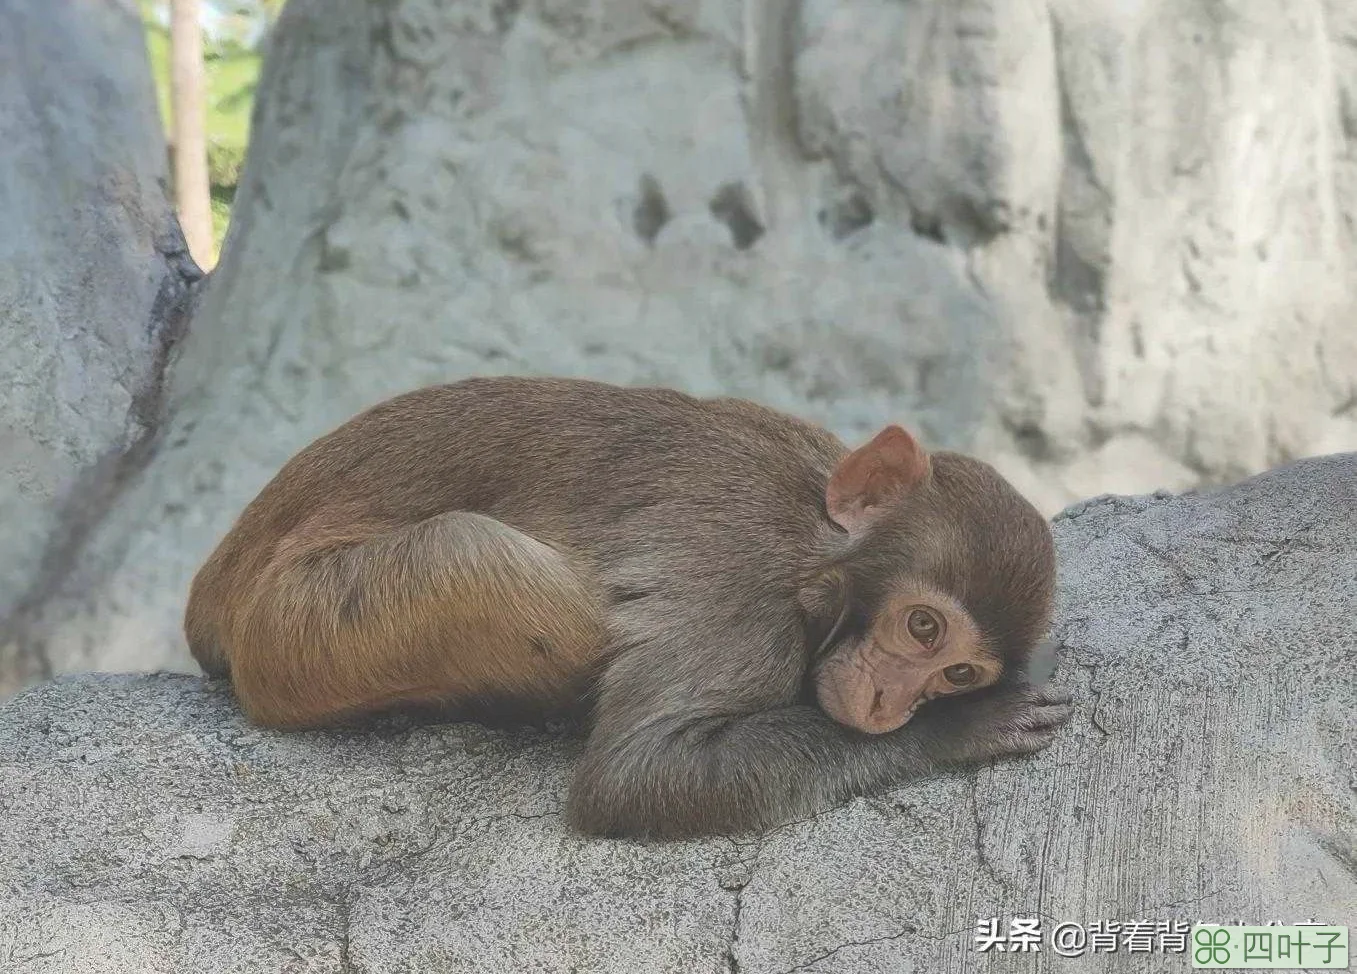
{"points": [[1210, 774], [1096, 242], [92, 277]]}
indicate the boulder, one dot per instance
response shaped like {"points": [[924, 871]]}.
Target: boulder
{"points": [[1209, 774], [1095, 242], [94, 283]]}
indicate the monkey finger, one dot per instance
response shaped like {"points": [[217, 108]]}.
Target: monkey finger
{"points": [[1019, 743], [1049, 715], [1050, 695]]}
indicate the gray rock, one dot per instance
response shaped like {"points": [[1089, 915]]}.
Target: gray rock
{"points": [[1093, 242], [93, 277], [1097, 243], [1210, 774]]}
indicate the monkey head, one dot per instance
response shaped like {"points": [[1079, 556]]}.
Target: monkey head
{"points": [[943, 583]]}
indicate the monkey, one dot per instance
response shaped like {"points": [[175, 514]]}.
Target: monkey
{"points": [[755, 621]]}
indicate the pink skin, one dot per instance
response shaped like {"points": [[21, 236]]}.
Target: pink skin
{"points": [[876, 687], [872, 691]]}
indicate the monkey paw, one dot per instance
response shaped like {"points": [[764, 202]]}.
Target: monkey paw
{"points": [[1012, 721]]}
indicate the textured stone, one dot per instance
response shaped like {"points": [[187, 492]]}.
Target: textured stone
{"points": [[1100, 243], [92, 274], [1209, 774]]}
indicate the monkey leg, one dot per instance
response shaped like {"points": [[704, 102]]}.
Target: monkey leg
{"points": [[457, 609]]}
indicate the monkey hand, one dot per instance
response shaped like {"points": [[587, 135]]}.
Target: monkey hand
{"points": [[1012, 720]]}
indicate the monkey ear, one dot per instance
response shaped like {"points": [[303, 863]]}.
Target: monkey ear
{"points": [[873, 476]]}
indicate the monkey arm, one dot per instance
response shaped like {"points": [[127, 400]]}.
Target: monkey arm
{"points": [[676, 777], [666, 764]]}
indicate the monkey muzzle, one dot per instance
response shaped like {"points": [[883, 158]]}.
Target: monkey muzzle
{"points": [[867, 698]]}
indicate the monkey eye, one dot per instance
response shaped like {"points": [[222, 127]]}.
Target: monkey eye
{"points": [[924, 626], [961, 675]]}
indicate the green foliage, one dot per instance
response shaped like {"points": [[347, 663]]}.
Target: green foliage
{"points": [[232, 68]]}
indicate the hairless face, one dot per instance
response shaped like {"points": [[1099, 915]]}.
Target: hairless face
{"points": [[948, 582]]}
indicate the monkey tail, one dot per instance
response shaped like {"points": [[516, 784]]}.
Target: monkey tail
{"points": [[454, 609]]}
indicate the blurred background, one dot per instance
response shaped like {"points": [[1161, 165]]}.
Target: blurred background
{"points": [[1108, 245], [221, 46]]}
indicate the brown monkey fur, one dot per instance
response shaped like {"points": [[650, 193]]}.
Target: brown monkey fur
{"points": [[709, 579]]}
